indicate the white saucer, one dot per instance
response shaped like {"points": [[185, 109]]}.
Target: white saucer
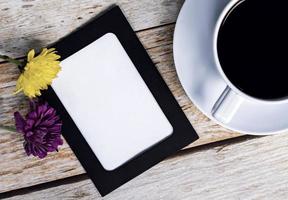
{"points": [[197, 71]]}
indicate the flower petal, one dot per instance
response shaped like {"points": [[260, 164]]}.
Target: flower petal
{"points": [[19, 122], [32, 105], [30, 55], [28, 148]]}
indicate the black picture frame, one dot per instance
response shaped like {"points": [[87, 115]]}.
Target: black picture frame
{"points": [[183, 134]]}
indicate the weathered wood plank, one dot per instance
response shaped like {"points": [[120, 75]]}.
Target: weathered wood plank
{"points": [[248, 169], [17, 170], [36, 23]]}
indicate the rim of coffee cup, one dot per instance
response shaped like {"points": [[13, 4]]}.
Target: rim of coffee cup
{"points": [[219, 22]]}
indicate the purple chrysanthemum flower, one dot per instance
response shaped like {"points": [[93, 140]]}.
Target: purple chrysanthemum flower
{"points": [[41, 129]]}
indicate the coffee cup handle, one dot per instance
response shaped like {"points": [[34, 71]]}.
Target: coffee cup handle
{"points": [[227, 105]]}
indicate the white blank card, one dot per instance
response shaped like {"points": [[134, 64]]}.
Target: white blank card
{"points": [[109, 102]]}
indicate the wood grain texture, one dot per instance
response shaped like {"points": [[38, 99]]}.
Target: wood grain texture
{"points": [[17, 170], [247, 169], [29, 24]]}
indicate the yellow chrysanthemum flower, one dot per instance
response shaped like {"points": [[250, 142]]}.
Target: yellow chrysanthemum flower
{"points": [[38, 72]]}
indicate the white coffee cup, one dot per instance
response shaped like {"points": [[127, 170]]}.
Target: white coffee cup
{"points": [[231, 98]]}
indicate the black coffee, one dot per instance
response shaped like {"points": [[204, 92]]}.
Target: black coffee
{"points": [[253, 48]]}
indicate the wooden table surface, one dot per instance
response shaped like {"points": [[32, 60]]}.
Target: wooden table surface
{"points": [[221, 165]]}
